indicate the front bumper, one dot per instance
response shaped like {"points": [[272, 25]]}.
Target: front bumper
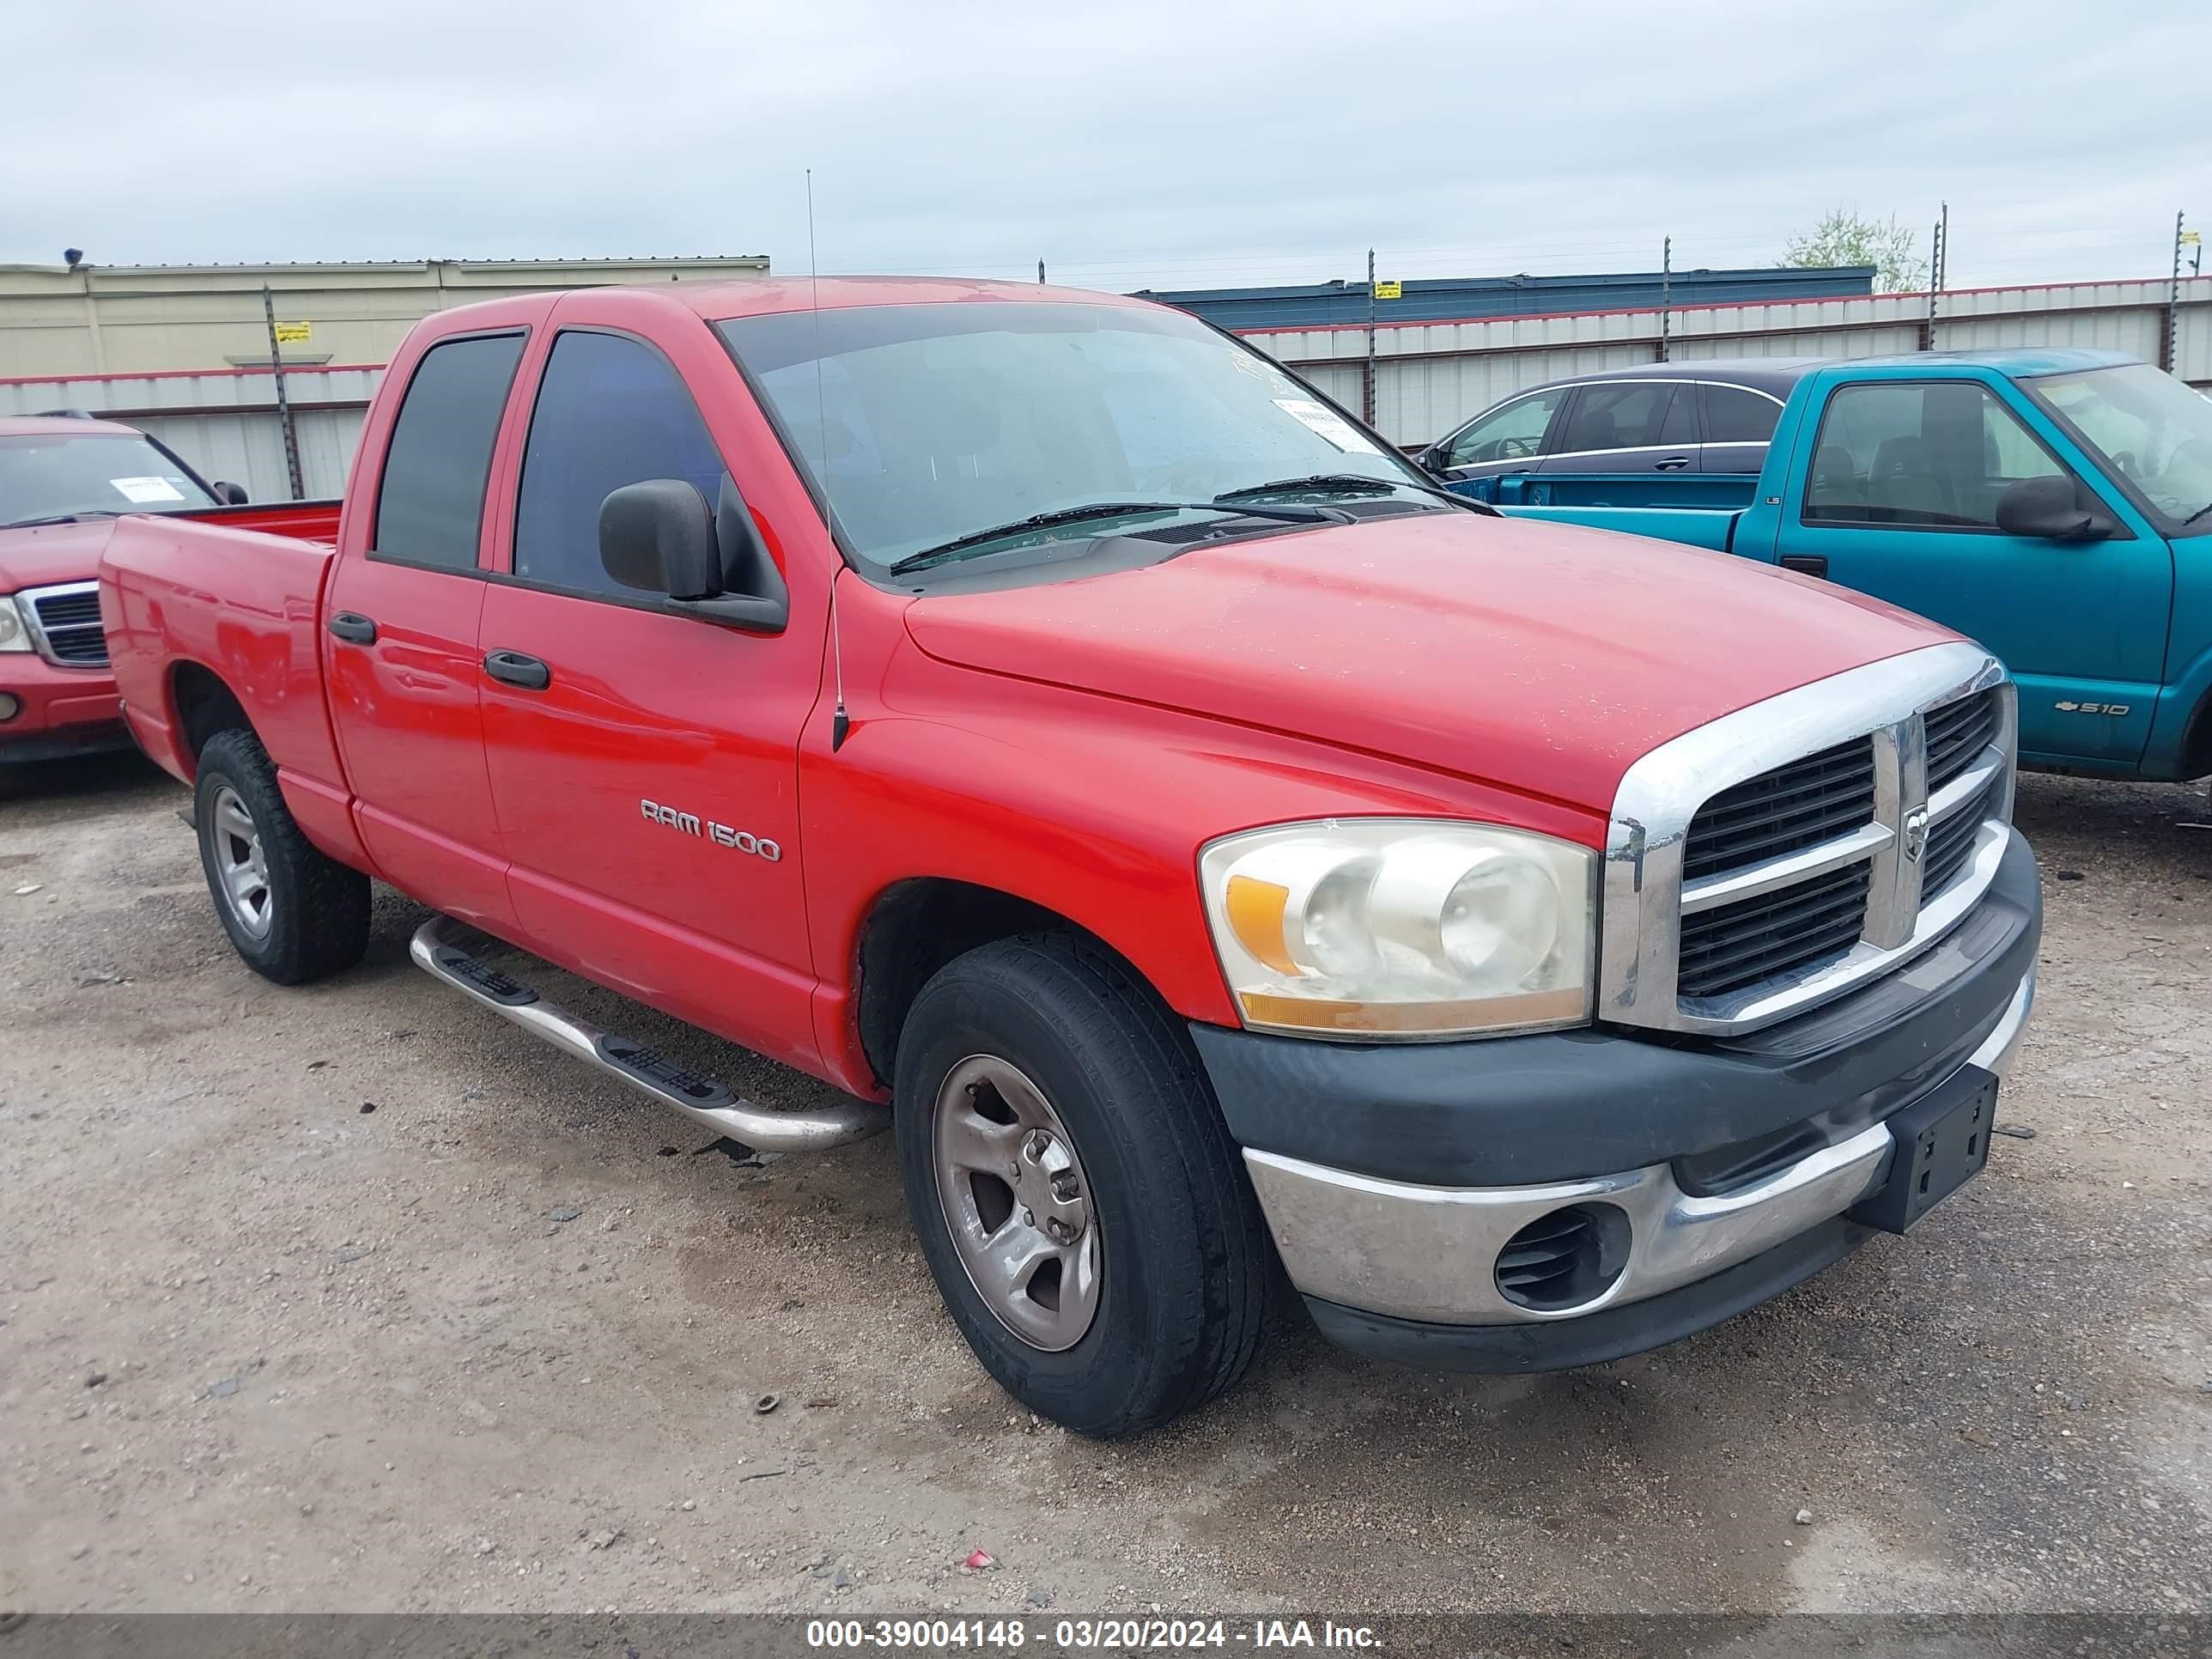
{"points": [[60, 711], [1749, 1153]]}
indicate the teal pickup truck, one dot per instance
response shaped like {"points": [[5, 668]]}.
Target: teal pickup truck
{"points": [[2054, 504]]}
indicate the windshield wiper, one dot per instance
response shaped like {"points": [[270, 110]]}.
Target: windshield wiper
{"points": [[958, 545], [57, 517], [2197, 514], [1351, 484]]}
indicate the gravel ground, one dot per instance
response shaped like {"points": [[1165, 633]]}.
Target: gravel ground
{"points": [[356, 1299]]}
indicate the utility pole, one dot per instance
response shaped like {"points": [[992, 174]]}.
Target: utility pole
{"points": [[284, 403], [1369, 399], [1939, 246], [2169, 332], [1666, 294]]}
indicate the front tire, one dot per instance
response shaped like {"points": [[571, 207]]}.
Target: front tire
{"points": [[1073, 1186], [292, 914]]}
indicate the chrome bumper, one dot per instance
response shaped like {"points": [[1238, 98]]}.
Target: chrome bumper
{"points": [[1426, 1252]]}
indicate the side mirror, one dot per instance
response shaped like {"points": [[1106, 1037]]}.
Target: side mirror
{"points": [[2053, 509], [661, 537], [230, 495], [658, 536]]}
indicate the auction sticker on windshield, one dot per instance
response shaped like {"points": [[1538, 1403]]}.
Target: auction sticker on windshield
{"points": [[1331, 425], [146, 490]]}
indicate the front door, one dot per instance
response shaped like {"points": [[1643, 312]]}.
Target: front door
{"points": [[1506, 443], [1901, 503], [402, 612], [644, 764]]}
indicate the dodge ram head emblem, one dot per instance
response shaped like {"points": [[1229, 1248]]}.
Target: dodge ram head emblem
{"points": [[1916, 834]]}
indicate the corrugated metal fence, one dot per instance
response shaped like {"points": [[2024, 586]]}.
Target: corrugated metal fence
{"points": [[1429, 376]]}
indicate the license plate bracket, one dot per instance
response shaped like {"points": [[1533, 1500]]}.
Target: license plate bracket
{"points": [[1942, 1142]]}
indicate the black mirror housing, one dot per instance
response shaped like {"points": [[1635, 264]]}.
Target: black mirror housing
{"points": [[659, 537], [2053, 509], [230, 495]]}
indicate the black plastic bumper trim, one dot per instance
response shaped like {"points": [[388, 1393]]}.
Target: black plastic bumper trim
{"points": [[1560, 1345], [1567, 1105]]}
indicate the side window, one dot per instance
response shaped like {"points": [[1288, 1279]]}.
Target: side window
{"points": [[430, 505], [1513, 434], [1622, 415], [611, 411], [1935, 453], [1734, 415]]}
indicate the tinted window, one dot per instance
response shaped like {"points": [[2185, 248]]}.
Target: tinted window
{"points": [[430, 508], [611, 411], [1734, 415], [1935, 453], [1624, 414], [1513, 434]]}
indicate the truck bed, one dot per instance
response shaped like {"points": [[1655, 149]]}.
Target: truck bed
{"points": [[245, 604], [1693, 526]]}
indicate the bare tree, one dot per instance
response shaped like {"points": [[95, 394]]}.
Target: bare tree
{"points": [[1846, 237]]}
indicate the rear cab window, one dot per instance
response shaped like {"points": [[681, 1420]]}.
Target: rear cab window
{"points": [[430, 500]]}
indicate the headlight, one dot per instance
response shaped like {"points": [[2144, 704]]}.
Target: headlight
{"points": [[14, 634], [1387, 929]]}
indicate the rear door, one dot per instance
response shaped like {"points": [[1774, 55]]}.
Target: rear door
{"points": [[402, 613], [1738, 422], [1633, 426], [1901, 502], [645, 763]]}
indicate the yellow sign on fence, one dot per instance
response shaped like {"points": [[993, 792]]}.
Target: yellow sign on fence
{"points": [[1389, 290], [294, 333]]}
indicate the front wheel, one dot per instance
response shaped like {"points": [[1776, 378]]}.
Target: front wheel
{"points": [[292, 914], [1075, 1191]]}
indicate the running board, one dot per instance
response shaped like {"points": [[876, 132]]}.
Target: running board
{"points": [[438, 952]]}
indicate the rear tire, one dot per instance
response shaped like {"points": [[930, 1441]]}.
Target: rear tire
{"points": [[1116, 1144], [292, 914]]}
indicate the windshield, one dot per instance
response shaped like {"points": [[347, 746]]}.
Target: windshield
{"points": [[934, 424], [2151, 431], [50, 475]]}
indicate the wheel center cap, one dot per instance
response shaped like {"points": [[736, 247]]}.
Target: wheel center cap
{"points": [[1049, 1190]]}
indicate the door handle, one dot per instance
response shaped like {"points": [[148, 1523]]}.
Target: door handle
{"points": [[512, 668], [355, 629], [1806, 564], [1672, 464]]}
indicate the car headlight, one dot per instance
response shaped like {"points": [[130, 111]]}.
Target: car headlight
{"points": [[1398, 929], [15, 634]]}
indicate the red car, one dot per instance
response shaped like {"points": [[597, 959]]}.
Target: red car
{"points": [[63, 482], [1209, 847]]}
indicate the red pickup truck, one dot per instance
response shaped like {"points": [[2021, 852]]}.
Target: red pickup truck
{"points": [[63, 482], [1214, 853]]}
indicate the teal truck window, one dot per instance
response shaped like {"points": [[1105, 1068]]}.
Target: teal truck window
{"points": [[1936, 453]]}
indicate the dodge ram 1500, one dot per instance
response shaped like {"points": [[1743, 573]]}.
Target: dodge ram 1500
{"points": [[1200, 842]]}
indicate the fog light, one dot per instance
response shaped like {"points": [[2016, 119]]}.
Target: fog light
{"points": [[1562, 1260], [10, 706]]}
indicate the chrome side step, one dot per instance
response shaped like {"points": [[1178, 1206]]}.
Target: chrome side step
{"points": [[438, 952]]}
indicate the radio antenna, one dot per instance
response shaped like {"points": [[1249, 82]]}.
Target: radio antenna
{"points": [[841, 723]]}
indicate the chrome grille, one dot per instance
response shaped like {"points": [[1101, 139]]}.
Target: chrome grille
{"points": [[1800, 804], [1782, 854], [65, 624], [1957, 733], [1754, 940]]}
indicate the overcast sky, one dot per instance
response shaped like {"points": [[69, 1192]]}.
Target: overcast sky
{"points": [[1128, 144]]}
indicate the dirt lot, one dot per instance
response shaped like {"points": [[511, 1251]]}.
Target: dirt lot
{"points": [[356, 1299]]}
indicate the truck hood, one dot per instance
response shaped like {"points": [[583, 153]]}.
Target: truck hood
{"points": [[42, 555], [1544, 659]]}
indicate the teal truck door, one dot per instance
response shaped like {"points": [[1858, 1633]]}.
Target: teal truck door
{"points": [[1900, 501]]}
